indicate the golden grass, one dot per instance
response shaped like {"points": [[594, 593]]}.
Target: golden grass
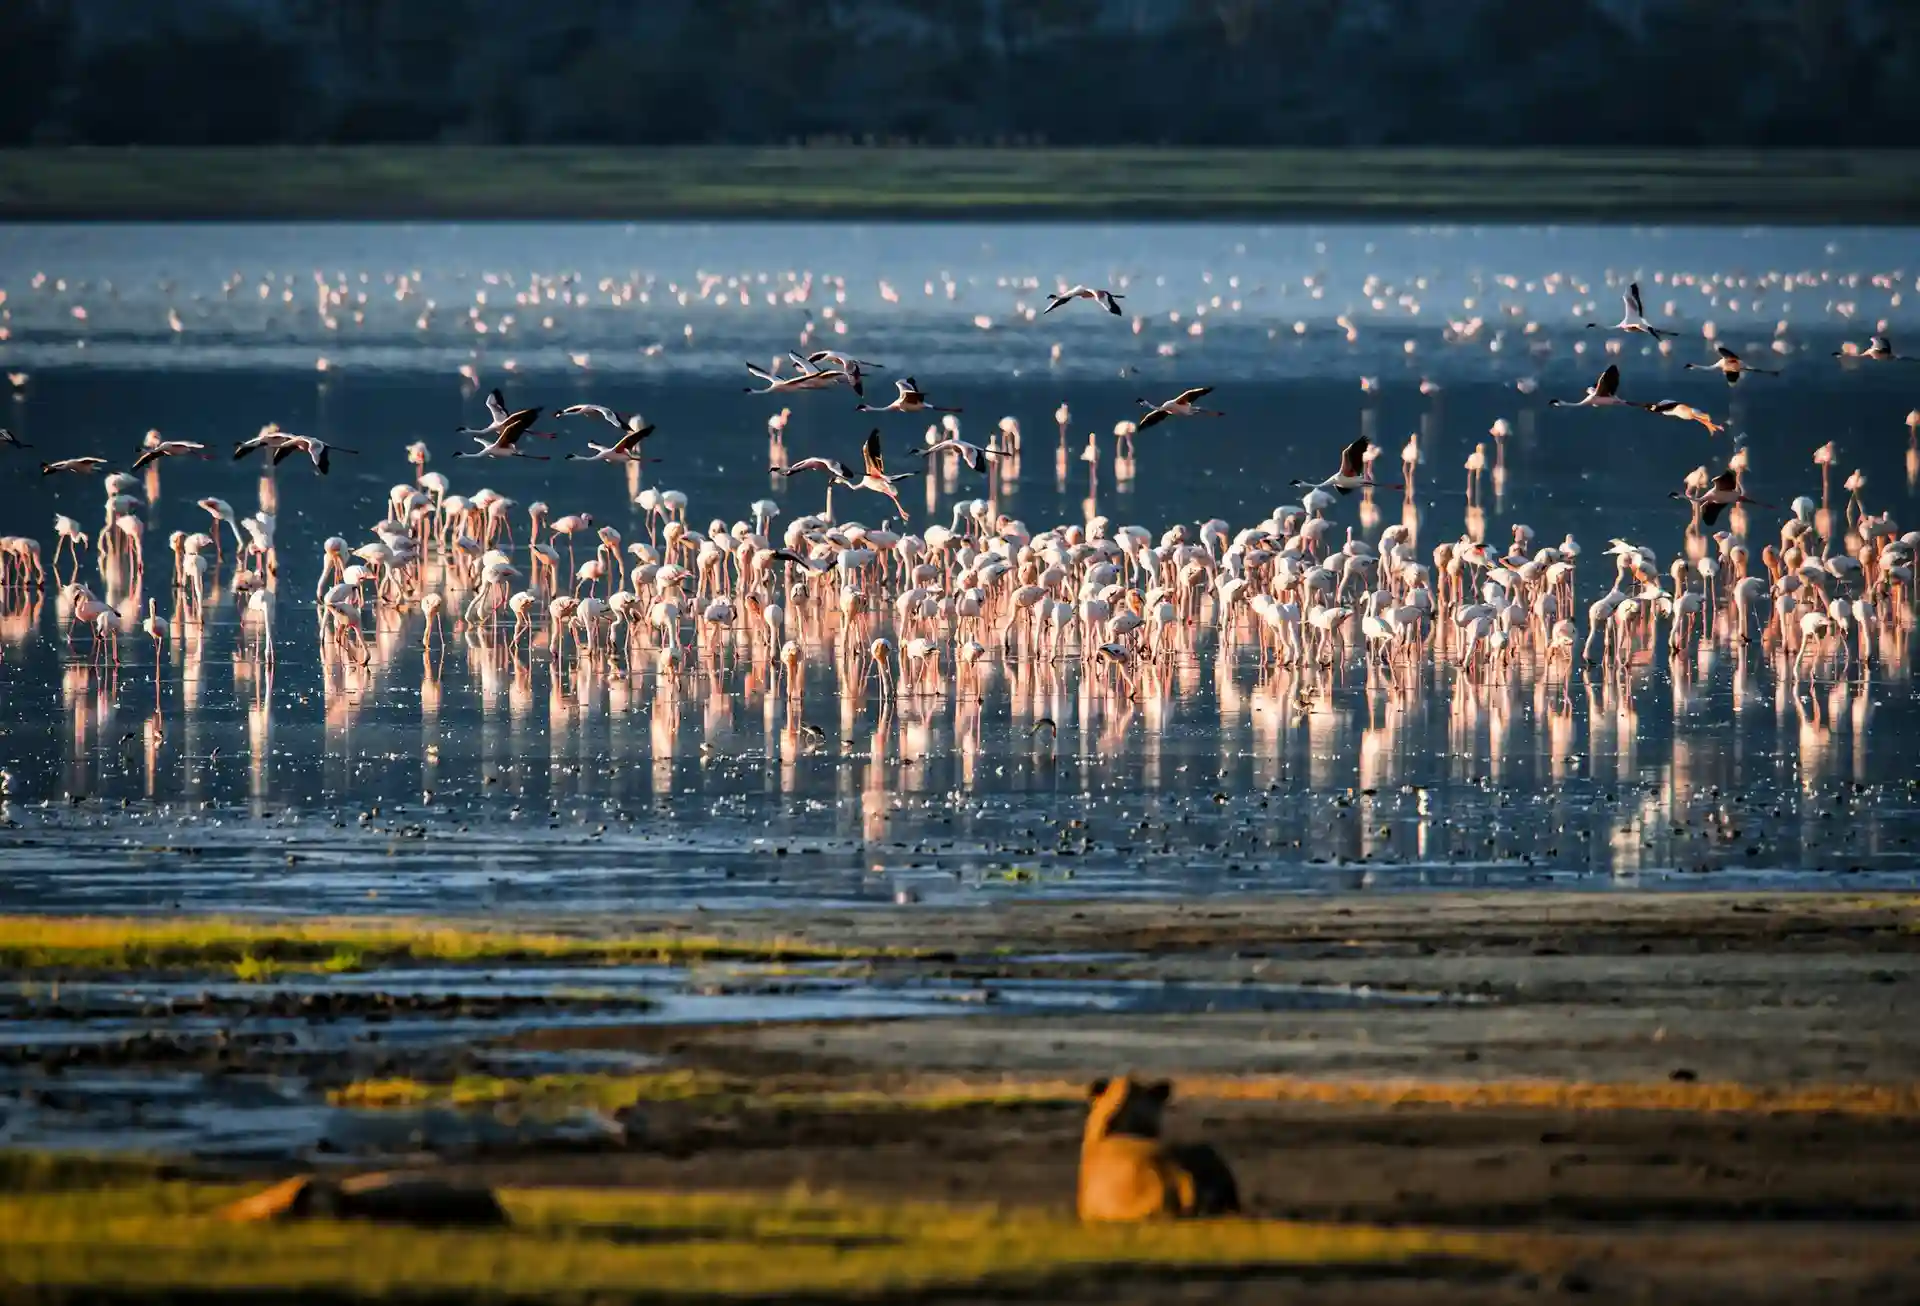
{"points": [[932, 1093], [611, 1091], [607, 1091], [1522, 1094], [154, 1238], [1571, 1095], [255, 949]]}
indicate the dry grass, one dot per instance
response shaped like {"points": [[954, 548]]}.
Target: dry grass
{"points": [[1570, 1095], [1521, 1094], [611, 1091], [712, 1090], [606, 1091], [255, 949], [121, 1238]]}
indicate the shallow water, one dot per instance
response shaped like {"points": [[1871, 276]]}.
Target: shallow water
{"points": [[471, 783], [121, 1065]]}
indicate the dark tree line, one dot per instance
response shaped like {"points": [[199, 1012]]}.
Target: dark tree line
{"points": [[1064, 72]]}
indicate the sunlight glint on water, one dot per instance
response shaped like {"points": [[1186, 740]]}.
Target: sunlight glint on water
{"points": [[488, 785]]}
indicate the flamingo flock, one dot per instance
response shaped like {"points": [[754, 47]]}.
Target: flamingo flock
{"points": [[911, 611], [900, 612]]}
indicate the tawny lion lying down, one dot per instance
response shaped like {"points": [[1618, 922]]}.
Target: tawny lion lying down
{"points": [[1128, 1173]]}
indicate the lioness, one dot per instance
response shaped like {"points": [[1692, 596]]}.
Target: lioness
{"points": [[1127, 1173]]}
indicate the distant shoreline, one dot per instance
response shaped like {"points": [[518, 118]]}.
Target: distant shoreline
{"points": [[477, 183]]}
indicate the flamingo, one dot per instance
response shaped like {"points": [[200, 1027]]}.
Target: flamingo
{"points": [[222, 511], [156, 627], [1602, 393], [1106, 299], [1184, 404], [1730, 364], [1685, 412], [910, 399], [167, 449], [1634, 318]]}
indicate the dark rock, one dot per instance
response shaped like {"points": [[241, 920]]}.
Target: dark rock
{"points": [[388, 1198]]}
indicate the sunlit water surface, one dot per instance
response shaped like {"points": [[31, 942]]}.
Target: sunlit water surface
{"points": [[471, 781]]}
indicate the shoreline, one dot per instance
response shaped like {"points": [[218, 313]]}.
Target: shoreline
{"points": [[891, 184], [1693, 1098]]}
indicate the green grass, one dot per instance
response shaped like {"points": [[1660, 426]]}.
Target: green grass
{"points": [[720, 182], [124, 1237], [257, 949]]}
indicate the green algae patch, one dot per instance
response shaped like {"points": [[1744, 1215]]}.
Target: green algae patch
{"points": [[256, 950], [162, 1238], [606, 1091]]}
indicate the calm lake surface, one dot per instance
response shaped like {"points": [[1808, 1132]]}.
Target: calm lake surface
{"points": [[472, 781]]}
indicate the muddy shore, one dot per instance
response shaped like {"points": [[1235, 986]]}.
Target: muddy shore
{"points": [[1694, 1098], [1763, 991]]}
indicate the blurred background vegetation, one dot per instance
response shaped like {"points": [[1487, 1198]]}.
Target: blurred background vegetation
{"points": [[1620, 73]]}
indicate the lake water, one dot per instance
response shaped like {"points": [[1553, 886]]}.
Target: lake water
{"points": [[479, 782]]}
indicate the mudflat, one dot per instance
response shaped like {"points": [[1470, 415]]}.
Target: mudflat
{"points": [[1701, 1098]]}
